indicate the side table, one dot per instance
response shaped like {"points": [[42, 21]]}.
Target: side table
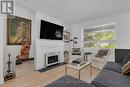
{"points": [[78, 68]]}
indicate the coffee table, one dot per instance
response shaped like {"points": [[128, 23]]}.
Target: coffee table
{"points": [[78, 68]]}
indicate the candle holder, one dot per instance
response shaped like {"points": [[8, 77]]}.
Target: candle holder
{"points": [[9, 74]]}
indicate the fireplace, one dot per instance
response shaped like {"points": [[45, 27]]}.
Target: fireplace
{"points": [[52, 58]]}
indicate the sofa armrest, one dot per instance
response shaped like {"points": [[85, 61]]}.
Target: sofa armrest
{"points": [[109, 78]]}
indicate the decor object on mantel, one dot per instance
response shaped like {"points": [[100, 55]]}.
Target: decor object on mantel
{"points": [[24, 51], [9, 74], [18, 30], [66, 36], [74, 39]]}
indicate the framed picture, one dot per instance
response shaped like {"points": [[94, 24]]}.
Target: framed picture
{"points": [[18, 30], [66, 36]]}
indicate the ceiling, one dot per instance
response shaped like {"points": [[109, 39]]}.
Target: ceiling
{"points": [[76, 11]]}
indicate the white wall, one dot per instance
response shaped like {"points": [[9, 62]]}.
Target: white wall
{"points": [[14, 49], [77, 31], [122, 21], [1, 48]]}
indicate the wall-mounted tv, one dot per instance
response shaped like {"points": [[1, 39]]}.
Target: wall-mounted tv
{"points": [[51, 31]]}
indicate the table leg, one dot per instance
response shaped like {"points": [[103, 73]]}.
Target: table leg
{"points": [[65, 70], [79, 74], [91, 69]]}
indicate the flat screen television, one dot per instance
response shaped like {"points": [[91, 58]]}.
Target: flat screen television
{"points": [[51, 31]]}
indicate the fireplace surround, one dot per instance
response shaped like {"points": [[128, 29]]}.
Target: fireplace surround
{"points": [[43, 47]]}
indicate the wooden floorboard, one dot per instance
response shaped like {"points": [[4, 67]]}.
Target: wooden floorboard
{"points": [[26, 68], [37, 79]]}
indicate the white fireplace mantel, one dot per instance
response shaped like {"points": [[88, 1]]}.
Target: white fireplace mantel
{"points": [[47, 46]]}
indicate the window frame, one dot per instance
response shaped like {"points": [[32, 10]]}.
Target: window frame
{"points": [[100, 28]]}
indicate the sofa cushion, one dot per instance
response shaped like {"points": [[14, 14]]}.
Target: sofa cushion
{"points": [[113, 66], [101, 53], [127, 76], [109, 78], [68, 81]]}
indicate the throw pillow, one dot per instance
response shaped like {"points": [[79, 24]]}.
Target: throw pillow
{"points": [[126, 68], [126, 59], [101, 53]]}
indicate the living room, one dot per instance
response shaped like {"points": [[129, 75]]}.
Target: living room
{"points": [[88, 35]]}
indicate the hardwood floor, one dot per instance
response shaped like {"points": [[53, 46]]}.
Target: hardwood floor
{"points": [[26, 68], [37, 79]]}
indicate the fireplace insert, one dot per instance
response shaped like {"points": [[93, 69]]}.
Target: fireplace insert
{"points": [[52, 58]]}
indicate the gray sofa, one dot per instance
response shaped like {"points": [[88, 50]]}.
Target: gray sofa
{"points": [[68, 81], [110, 76]]}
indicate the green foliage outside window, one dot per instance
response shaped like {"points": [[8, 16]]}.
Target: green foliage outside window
{"points": [[100, 39]]}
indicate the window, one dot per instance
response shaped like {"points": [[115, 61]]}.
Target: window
{"points": [[103, 36]]}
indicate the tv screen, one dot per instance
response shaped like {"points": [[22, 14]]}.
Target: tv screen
{"points": [[51, 31]]}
